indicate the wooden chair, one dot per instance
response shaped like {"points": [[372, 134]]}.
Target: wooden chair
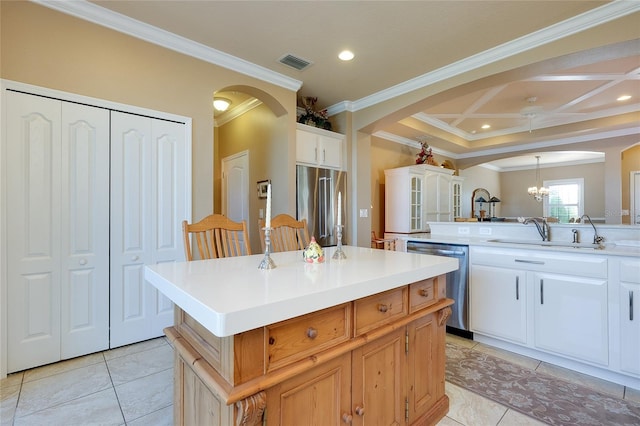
{"points": [[216, 236], [287, 233], [383, 243]]}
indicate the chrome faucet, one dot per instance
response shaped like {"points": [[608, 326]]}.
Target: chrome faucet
{"points": [[541, 225], [597, 239], [576, 236]]}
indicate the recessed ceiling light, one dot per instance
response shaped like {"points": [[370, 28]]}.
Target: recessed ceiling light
{"points": [[346, 55], [486, 126], [624, 98]]}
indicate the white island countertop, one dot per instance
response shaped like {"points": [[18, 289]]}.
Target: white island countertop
{"points": [[231, 295]]}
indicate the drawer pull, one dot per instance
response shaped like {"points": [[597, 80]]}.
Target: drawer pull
{"points": [[347, 418], [312, 333], [542, 292], [272, 341], [517, 288], [424, 292], [359, 410], [535, 262], [630, 305], [383, 308]]}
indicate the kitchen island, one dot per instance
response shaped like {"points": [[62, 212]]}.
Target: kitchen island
{"points": [[359, 340]]}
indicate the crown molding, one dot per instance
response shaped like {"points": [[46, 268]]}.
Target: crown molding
{"points": [[592, 18], [236, 112], [134, 28]]}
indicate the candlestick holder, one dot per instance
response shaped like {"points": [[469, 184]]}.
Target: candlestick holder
{"points": [[267, 262], [339, 254]]}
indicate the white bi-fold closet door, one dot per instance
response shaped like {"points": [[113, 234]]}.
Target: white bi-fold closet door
{"points": [[93, 195]]}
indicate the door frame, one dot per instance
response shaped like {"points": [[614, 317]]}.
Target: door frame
{"points": [[632, 199]]}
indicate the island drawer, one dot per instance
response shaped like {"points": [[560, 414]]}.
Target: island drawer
{"points": [[630, 271], [425, 293], [379, 309], [294, 339]]}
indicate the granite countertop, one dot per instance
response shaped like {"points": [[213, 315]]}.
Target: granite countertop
{"points": [[231, 295]]}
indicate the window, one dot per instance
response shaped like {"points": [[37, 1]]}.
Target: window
{"points": [[565, 200]]}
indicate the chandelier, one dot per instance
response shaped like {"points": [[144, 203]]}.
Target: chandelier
{"points": [[538, 192]]}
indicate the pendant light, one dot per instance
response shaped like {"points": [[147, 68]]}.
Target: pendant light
{"points": [[538, 192]]}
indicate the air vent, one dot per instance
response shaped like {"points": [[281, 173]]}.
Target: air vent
{"points": [[294, 62]]}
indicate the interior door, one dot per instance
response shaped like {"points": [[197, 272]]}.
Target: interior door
{"points": [[235, 184], [33, 231], [148, 203], [85, 232]]}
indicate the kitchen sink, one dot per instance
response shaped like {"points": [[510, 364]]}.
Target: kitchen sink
{"points": [[548, 243]]}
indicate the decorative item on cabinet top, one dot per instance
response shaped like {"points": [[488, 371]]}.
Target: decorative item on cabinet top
{"points": [[314, 118]]}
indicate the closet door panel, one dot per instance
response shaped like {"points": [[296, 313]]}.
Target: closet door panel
{"points": [[131, 191], [33, 231], [85, 237], [170, 207]]}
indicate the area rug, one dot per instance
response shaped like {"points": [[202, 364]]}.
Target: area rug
{"points": [[543, 397]]}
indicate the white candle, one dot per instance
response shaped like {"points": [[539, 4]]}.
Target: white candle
{"points": [[268, 220], [339, 208]]}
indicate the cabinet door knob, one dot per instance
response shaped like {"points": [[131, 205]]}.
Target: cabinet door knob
{"points": [[83, 261], [383, 308], [347, 418], [312, 333], [359, 410], [424, 292], [135, 258]]}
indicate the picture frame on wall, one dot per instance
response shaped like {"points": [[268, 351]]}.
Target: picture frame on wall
{"points": [[262, 188]]}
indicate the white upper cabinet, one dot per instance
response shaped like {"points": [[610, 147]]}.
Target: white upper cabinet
{"points": [[415, 195], [318, 147]]}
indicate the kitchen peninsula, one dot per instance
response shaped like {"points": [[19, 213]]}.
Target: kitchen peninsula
{"points": [[359, 340]]}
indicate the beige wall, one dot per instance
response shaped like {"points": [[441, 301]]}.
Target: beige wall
{"points": [[46, 48], [262, 134], [480, 177]]}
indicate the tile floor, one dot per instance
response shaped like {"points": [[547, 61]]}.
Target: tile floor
{"points": [[132, 385]]}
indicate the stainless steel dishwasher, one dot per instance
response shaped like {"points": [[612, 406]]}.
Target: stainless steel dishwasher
{"points": [[457, 281]]}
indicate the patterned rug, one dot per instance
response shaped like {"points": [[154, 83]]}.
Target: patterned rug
{"points": [[537, 395]]}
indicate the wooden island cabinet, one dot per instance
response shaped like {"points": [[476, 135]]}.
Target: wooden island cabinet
{"points": [[376, 358]]}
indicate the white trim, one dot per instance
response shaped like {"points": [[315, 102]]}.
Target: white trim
{"points": [[554, 182], [121, 23], [632, 199], [236, 112], [512, 149], [573, 25]]}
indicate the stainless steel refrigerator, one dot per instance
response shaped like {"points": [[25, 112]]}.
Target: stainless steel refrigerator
{"points": [[317, 201]]}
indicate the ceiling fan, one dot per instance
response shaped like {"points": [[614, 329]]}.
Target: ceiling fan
{"points": [[531, 111]]}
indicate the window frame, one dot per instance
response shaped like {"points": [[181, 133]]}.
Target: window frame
{"points": [[557, 182]]}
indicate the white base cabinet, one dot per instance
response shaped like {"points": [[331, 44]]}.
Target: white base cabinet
{"points": [[95, 195], [555, 302], [570, 316], [629, 315], [579, 311], [499, 302]]}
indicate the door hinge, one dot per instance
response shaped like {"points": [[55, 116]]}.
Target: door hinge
{"points": [[406, 342], [406, 408]]}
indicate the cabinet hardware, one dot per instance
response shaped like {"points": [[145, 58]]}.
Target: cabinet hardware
{"points": [[383, 308], [424, 292], [630, 305], [542, 292], [347, 418], [315, 153], [534, 262], [312, 333], [83, 261], [517, 288], [324, 155], [406, 342], [359, 410], [406, 409]]}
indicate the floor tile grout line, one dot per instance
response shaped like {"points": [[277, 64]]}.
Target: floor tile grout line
{"points": [[113, 386]]}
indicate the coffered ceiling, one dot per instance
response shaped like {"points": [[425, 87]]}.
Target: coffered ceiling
{"points": [[403, 45]]}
